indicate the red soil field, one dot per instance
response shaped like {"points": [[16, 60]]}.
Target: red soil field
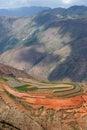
{"points": [[36, 101]]}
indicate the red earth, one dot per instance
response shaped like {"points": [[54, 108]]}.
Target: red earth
{"points": [[77, 104]]}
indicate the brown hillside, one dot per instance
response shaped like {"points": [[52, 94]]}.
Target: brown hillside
{"points": [[11, 72]]}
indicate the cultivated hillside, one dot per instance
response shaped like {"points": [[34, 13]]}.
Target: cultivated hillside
{"points": [[49, 46], [42, 106]]}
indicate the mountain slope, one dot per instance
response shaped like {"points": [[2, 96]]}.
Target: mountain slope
{"points": [[32, 30], [48, 46], [9, 71]]}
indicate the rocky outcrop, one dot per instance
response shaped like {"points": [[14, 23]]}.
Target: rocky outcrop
{"points": [[12, 119]]}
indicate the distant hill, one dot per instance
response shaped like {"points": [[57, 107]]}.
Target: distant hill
{"points": [[51, 45], [74, 11], [23, 11], [26, 11]]}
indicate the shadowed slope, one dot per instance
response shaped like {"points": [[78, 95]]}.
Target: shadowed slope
{"points": [[48, 47], [60, 54]]}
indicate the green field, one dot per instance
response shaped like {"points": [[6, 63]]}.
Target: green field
{"points": [[25, 88]]}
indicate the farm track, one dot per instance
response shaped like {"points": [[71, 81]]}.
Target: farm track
{"points": [[46, 85]]}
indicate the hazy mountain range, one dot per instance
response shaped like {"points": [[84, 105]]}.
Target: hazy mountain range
{"points": [[26, 11], [51, 45], [23, 11]]}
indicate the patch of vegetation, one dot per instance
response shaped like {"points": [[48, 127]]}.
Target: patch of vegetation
{"points": [[73, 94], [69, 95], [25, 88], [10, 95], [3, 78], [56, 91]]}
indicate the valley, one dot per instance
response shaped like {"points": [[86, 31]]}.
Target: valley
{"points": [[43, 68]]}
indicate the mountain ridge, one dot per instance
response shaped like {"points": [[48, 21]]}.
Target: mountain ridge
{"points": [[22, 11], [48, 46]]}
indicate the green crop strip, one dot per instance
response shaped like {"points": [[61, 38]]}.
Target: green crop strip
{"points": [[10, 95], [3, 78], [25, 88]]}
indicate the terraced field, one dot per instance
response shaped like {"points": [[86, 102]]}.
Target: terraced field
{"points": [[34, 94], [41, 101], [57, 89]]}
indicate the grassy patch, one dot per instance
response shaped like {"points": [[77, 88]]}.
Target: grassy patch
{"points": [[25, 88], [3, 78], [10, 95]]}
